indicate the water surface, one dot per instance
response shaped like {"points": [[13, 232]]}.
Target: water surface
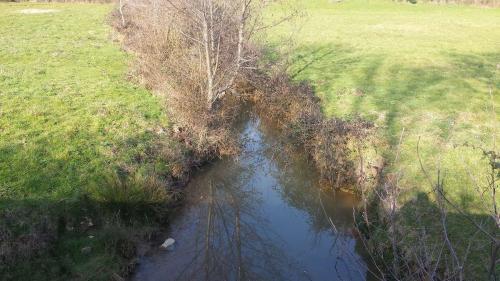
{"points": [[261, 216]]}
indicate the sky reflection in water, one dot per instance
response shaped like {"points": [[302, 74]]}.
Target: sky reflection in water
{"points": [[259, 217]]}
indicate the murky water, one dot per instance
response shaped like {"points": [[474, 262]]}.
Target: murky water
{"points": [[261, 216]]}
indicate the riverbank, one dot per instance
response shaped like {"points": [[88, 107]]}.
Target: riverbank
{"points": [[84, 157], [169, 63], [427, 76]]}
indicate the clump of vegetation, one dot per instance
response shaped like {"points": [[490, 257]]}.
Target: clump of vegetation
{"points": [[191, 53], [420, 241], [337, 147]]}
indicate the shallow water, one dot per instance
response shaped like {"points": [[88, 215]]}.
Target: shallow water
{"points": [[261, 216]]}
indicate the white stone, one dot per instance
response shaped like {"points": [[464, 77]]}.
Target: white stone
{"points": [[168, 243]]}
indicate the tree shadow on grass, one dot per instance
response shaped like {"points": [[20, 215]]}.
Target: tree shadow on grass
{"points": [[77, 239], [51, 209], [424, 235], [354, 83], [62, 166]]}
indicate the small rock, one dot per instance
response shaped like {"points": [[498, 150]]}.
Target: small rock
{"points": [[86, 250], [168, 243]]}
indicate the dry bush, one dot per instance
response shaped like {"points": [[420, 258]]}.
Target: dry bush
{"points": [[336, 146], [191, 52]]}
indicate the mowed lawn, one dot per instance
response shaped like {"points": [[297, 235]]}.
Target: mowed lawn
{"points": [[68, 115], [425, 71]]}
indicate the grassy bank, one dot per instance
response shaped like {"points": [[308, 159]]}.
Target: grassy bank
{"points": [[75, 148], [420, 71], [426, 69]]}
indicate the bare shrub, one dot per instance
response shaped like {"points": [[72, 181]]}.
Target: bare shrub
{"points": [[420, 240], [415, 241], [191, 52], [336, 146], [197, 55]]}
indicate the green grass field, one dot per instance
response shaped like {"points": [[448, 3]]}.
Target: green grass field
{"points": [[425, 69], [68, 119], [67, 111]]}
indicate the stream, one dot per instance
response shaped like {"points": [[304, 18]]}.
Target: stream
{"points": [[260, 216]]}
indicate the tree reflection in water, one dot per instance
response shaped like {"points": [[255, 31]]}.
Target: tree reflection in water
{"points": [[259, 218]]}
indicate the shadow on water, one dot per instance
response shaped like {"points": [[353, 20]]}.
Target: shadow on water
{"points": [[260, 217]]}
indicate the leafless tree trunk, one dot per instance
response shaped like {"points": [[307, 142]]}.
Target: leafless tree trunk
{"points": [[120, 9], [208, 46], [220, 29], [216, 22]]}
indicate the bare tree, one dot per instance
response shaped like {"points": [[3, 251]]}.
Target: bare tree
{"points": [[218, 31], [194, 53]]}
